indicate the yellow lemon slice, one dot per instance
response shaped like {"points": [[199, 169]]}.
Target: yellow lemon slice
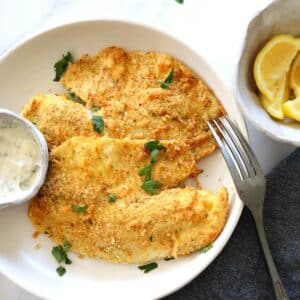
{"points": [[291, 109], [274, 106], [295, 75], [273, 63]]}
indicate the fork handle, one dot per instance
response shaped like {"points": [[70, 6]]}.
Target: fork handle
{"points": [[277, 283]]}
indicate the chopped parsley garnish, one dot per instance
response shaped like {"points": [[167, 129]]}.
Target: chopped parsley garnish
{"points": [[166, 83], [206, 248], [79, 209], [149, 267], [98, 124], [111, 198], [60, 255], [151, 186], [72, 96], [68, 261], [66, 246], [146, 171], [61, 271], [94, 108], [179, 1], [152, 145], [168, 258], [61, 66], [153, 156]]}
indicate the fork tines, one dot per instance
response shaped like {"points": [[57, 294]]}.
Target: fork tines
{"points": [[235, 149]]}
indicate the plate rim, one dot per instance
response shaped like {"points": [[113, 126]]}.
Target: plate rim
{"points": [[241, 123]]}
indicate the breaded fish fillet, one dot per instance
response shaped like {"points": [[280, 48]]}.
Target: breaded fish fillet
{"points": [[89, 168], [136, 227], [58, 118], [126, 85], [174, 223]]}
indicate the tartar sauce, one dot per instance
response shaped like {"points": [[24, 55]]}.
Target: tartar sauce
{"points": [[20, 159]]}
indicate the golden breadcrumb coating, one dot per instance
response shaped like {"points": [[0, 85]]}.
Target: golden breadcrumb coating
{"points": [[58, 118], [126, 85], [86, 167], [137, 227]]}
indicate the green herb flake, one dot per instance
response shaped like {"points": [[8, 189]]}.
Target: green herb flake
{"points": [[149, 267], [59, 253], [111, 198], [168, 258], [79, 209], [180, 1], [61, 271], [72, 96], [151, 186], [150, 238], [206, 248], [95, 108], [166, 83], [146, 171], [66, 246], [153, 156], [61, 66], [98, 124], [154, 145], [68, 261]]}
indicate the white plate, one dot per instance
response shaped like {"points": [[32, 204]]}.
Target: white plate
{"points": [[28, 70]]}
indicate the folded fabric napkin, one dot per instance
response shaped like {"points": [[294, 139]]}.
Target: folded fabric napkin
{"points": [[240, 271]]}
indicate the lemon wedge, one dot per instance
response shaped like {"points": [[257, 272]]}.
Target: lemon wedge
{"points": [[295, 76], [291, 108], [273, 63], [274, 106]]}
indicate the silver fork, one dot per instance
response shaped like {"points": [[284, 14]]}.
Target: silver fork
{"points": [[250, 184]]}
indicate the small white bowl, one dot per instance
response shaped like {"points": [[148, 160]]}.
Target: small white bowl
{"points": [[281, 16], [39, 138]]}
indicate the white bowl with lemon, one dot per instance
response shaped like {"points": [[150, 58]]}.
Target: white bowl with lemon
{"points": [[268, 74]]}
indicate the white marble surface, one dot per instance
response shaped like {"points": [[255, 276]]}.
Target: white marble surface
{"points": [[213, 27]]}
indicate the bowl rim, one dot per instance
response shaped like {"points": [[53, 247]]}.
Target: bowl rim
{"points": [[236, 90], [43, 149], [239, 205]]}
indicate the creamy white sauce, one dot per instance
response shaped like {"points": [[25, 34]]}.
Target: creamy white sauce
{"points": [[20, 159]]}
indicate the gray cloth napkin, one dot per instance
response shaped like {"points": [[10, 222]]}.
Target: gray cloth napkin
{"points": [[240, 271]]}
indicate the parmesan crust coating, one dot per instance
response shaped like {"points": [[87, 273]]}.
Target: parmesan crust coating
{"points": [[58, 118], [126, 85], [83, 168], [137, 227], [86, 166]]}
